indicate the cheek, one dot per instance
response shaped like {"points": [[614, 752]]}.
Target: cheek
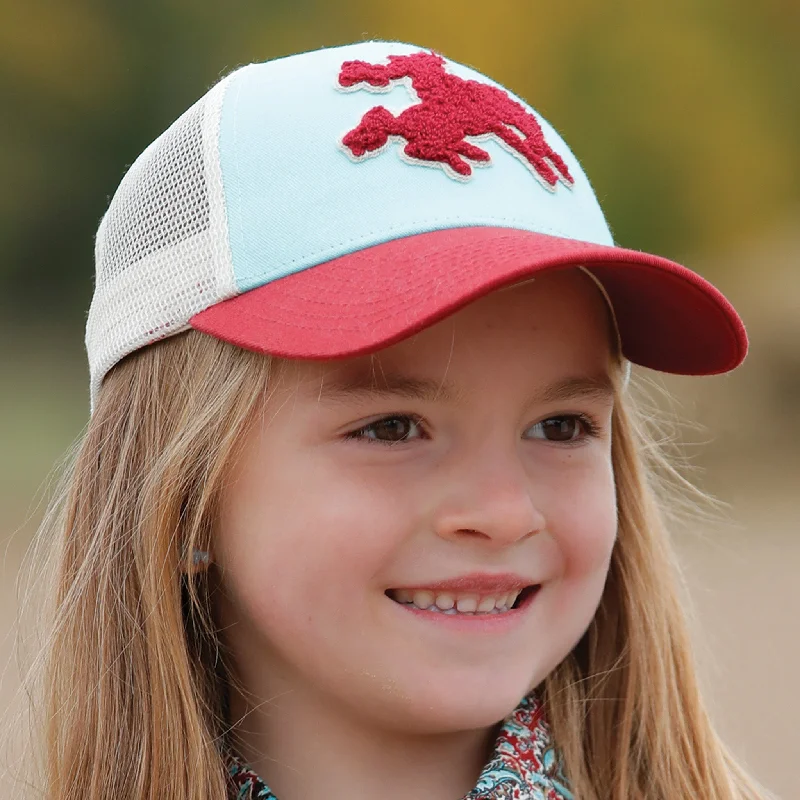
{"points": [[302, 577], [300, 552], [583, 525], [583, 522]]}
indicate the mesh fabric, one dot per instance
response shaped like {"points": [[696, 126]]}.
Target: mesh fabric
{"points": [[162, 251]]}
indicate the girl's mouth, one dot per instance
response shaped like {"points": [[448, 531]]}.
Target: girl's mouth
{"points": [[468, 604]]}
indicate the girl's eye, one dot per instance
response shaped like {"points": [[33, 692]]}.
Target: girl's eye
{"points": [[398, 428], [567, 428], [389, 430]]}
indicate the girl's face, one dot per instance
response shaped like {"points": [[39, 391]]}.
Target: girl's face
{"points": [[465, 464]]}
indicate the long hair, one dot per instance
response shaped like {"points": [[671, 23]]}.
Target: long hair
{"points": [[135, 675]]}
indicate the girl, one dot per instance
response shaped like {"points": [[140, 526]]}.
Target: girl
{"points": [[364, 508]]}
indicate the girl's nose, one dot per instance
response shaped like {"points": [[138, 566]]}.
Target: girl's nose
{"points": [[492, 503]]}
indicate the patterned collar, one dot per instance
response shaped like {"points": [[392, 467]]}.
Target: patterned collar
{"points": [[525, 764]]}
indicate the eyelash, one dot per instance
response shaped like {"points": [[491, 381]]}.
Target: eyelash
{"points": [[591, 429]]}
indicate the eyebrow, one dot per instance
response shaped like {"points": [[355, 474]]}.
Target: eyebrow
{"points": [[362, 386]]}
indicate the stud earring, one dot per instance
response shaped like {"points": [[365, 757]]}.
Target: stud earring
{"points": [[200, 558]]}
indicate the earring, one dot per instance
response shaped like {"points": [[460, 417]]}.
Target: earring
{"points": [[200, 558]]}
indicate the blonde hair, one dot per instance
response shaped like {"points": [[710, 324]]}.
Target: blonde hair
{"points": [[135, 677]]}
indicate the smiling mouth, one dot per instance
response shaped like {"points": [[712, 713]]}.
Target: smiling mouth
{"points": [[462, 603]]}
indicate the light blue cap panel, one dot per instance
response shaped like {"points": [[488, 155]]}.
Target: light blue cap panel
{"points": [[295, 199]]}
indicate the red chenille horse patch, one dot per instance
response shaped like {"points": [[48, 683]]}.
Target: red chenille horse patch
{"points": [[449, 110]]}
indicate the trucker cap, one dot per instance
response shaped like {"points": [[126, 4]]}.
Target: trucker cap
{"points": [[331, 203]]}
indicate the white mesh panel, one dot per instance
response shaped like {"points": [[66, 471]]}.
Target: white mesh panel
{"points": [[162, 252]]}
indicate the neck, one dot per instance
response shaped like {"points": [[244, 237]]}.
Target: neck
{"points": [[305, 750]]}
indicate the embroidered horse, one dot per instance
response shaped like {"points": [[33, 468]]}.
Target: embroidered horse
{"points": [[450, 109]]}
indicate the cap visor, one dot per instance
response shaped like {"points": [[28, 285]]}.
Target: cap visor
{"points": [[669, 318]]}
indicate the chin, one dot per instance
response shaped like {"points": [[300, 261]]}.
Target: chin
{"points": [[458, 703]]}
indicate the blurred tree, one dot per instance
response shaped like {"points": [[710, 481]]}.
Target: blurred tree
{"points": [[685, 115]]}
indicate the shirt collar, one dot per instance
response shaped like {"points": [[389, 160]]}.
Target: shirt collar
{"points": [[525, 764]]}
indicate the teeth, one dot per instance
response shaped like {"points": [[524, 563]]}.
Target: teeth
{"points": [[404, 596], [423, 599], [469, 602], [445, 601], [448, 603], [486, 604]]}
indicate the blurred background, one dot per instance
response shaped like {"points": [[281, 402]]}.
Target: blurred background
{"points": [[686, 117]]}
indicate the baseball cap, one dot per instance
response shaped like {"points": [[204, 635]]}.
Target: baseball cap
{"points": [[331, 203]]}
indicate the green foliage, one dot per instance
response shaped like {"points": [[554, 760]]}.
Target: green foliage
{"points": [[684, 114]]}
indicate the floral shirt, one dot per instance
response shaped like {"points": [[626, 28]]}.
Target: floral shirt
{"points": [[525, 764]]}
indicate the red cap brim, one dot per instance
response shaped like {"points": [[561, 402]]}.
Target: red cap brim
{"points": [[669, 318]]}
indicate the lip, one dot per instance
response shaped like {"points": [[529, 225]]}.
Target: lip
{"points": [[476, 583]]}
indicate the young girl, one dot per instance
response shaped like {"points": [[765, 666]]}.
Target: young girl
{"points": [[364, 508]]}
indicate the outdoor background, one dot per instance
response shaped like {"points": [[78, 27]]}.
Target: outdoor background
{"points": [[686, 117]]}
